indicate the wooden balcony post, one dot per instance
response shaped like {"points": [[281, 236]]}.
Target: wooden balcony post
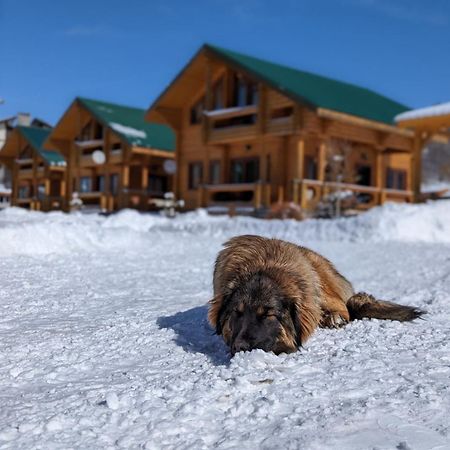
{"points": [[379, 174], [300, 159], [322, 161], [144, 178], [258, 195]]}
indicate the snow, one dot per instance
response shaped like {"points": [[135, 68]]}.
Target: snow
{"points": [[105, 343], [4, 189], [129, 131], [442, 109], [234, 109]]}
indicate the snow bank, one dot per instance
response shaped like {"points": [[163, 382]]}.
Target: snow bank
{"points": [[25, 232]]}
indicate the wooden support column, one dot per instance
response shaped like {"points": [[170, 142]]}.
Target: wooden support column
{"points": [[107, 166], [300, 158], [379, 173], [262, 105], [322, 161], [416, 166], [35, 185], [299, 168]]}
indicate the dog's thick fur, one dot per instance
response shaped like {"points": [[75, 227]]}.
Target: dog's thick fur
{"points": [[272, 294]]}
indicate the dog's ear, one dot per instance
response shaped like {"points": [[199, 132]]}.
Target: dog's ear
{"points": [[295, 317], [214, 313]]}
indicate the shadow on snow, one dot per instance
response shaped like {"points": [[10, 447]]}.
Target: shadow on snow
{"points": [[194, 334]]}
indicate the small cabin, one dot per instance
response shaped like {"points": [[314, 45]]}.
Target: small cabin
{"points": [[115, 159], [38, 174], [250, 132]]}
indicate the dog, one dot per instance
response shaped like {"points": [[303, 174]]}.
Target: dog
{"points": [[271, 294]]}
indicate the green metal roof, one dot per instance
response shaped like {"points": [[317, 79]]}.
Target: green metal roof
{"points": [[316, 90], [36, 138], [130, 124]]}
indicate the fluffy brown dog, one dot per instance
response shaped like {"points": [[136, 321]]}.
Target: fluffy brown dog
{"points": [[271, 294]]}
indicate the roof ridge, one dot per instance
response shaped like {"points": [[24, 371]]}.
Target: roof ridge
{"points": [[120, 105]]}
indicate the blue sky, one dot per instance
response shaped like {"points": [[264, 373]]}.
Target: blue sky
{"points": [[128, 51]]}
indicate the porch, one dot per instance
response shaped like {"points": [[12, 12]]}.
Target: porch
{"points": [[306, 193]]}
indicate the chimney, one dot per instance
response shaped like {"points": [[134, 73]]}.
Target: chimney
{"points": [[24, 119]]}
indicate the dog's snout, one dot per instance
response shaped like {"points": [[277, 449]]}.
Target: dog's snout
{"points": [[240, 346]]}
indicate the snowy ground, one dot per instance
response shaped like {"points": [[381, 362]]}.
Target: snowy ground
{"points": [[104, 341]]}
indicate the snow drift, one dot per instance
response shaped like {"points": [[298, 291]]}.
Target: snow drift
{"points": [[29, 233]]}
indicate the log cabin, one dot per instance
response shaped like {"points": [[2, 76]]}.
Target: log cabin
{"points": [[38, 174], [431, 123], [251, 132], [115, 159]]}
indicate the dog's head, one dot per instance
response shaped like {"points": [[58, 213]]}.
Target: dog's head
{"points": [[258, 313]]}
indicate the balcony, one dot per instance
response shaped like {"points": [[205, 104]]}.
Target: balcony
{"points": [[231, 124]]}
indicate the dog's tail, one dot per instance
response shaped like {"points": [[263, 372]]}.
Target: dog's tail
{"points": [[363, 305]]}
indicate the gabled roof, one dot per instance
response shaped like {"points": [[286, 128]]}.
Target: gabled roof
{"points": [[36, 137], [316, 90], [313, 90], [130, 124]]}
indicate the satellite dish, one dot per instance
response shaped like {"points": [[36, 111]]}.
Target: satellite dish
{"points": [[98, 157], [170, 166]]}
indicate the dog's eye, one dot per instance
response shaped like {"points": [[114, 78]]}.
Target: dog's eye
{"points": [[238, 313]]}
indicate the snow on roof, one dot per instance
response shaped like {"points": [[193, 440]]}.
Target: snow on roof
{"points": [[129, 131], [443, 109]]}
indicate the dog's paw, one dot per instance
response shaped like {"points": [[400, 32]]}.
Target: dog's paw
{"points": [[332, 320]]}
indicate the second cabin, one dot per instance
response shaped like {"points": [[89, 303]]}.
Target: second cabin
{"points": [[115, 159], [250, 132], [38, 174]]}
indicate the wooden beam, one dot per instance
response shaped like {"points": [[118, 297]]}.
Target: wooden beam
{"points": [[300, 157], [366, 123], [322, 160], [379, 170]]}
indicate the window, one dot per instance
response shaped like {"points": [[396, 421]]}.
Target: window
{"points": [[282, 113], [85, 134], [396, 179], [214, 172], [41, 191], [197, 111], [157, 184], [245, 91], [100, 183], [114, 183], [268, 168], [218, 102], [98, 131], [310, 168], [85, 184], [195, 175], [27, 153], [116, 148], [24, 192], [244, 170]]}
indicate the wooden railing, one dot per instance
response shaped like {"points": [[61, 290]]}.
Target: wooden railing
{"points": [[309, 193], [260, 195], [218, 131]]}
